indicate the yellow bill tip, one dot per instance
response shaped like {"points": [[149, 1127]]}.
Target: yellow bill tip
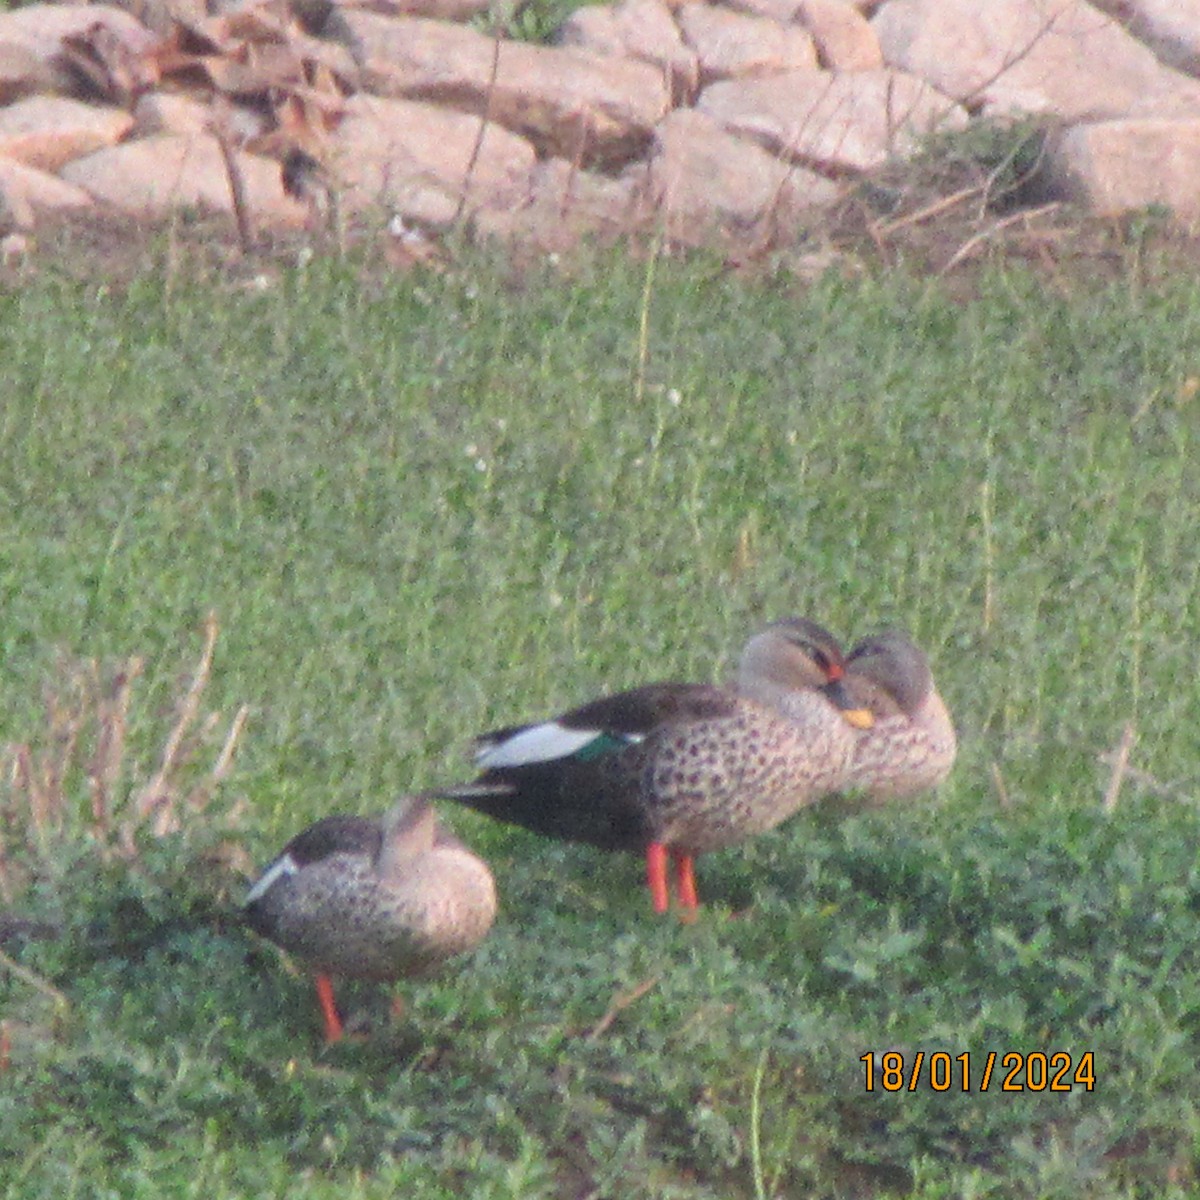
{"points": [[860, 718]]}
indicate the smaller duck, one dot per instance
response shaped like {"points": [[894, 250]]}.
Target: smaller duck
{"points": [[911, 745], [680, 769], [373, 898]]}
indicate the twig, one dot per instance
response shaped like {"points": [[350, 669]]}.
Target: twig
{"points": [[934, 209], [1019, 181], [237, 191], [1119, 767], [1012, 61], [575, 166], [1026, 214], [484, 122], [620, 1002]]}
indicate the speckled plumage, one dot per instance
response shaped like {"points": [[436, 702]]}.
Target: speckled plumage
{"points": [[374, 898], [911, 745], [690, 767]]}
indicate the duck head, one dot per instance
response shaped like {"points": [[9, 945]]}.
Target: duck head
{"points": [[796, 654], [888, 673]]}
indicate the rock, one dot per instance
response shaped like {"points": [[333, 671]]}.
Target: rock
{"points": [[37, 32], [641, 29], [597, 29], [585, 199], [415, 160], [170, 112], [48, 131], [1009, 56], [16, 213], [24, 73], [176, 112], [1171, 28], [27, 190], [570, 104], [706, 180], [843, 37], [579, 139], [438, 10], [157, 175], [731, 45], [566, 205], [782, 11], [160, 16], [837, 123], [1120, 166]]}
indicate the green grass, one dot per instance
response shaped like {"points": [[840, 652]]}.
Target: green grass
{"points": [[536, 22], [422, 507]]}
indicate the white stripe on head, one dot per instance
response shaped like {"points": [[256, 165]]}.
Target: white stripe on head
{"points": [[285, 864], [538, 743]]}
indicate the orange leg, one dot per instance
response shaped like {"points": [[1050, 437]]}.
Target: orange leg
{"points": [[685, 882], [656, 876], [333, 1023]]}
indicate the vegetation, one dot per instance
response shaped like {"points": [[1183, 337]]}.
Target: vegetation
{"points": [[424, 506]]}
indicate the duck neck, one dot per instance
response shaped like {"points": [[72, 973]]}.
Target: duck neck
{"points": [[408, 831]]}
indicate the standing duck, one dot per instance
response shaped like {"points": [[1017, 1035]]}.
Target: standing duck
{"points": [[680, 769], [911, 744], [373, 898]]}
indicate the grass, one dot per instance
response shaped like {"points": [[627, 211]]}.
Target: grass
{"points": [[421, 507], [537, 22]]}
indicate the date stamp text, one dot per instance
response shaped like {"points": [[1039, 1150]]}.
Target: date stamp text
{"points": [[1013, 1071]]}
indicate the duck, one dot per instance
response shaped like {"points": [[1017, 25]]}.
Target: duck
{"points": [[676, 770], [911, 744], [376, 898]]}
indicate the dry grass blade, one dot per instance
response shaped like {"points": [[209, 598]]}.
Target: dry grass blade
{"points": [[1119, 767], [83, 752], [199, 796], [156, 794], [998, 784], [65, 715], [1148, 782], [104, 768], [34, 980]]}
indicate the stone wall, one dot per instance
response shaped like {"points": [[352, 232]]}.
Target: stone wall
{"points": [[709, 121]]}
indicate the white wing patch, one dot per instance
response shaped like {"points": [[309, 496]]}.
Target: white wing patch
{"points": [[285, 864], [538, 743]]}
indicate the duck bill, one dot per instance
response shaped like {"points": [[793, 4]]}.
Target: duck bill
{"points": [[852, 712]]}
